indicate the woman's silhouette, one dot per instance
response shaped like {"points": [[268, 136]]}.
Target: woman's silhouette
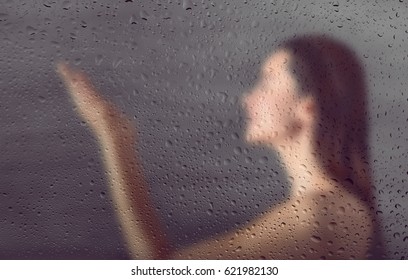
{"points": [[309, 105]]}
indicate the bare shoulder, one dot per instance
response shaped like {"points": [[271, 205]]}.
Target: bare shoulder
{"points": [[355, 225], [321, 226], [342, 225]]}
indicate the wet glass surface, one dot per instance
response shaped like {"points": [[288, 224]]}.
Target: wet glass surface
{"points": [[179, 68]]}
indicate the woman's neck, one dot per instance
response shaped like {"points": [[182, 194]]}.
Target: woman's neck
{"points": [[305, 172]]}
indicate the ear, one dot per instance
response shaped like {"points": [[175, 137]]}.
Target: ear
{"points": [[307, 110]]}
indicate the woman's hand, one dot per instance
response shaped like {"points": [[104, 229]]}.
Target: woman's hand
{"points": [[102, 117], [116, 137]]}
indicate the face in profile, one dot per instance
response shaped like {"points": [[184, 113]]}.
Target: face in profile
{"points": [[271, 104]]}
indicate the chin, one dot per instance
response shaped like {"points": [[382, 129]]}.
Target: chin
{"points": [[249, 138], [249, 134]]}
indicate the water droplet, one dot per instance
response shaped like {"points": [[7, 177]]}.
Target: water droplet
{"points": [[132, 19], [117, 62], [83, 24], [77, 61], [31, 30], [332, 226], [316, 239], [3, 16], [41, 99], [223, 96], [66, 5], [47, 5], [98, 59], [340, 250], [254, 24], [187, 4], [168, 143], [232, 35], [235, 136], [341, 210], [263, 160], [144, 15]]}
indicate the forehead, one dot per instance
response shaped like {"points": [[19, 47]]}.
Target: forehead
{"points": [[277, 61]]}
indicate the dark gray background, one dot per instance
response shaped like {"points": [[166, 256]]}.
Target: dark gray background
{"points": [[179, 68]]}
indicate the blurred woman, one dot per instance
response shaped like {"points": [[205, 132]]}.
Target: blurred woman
{"points": [[309, 105]]}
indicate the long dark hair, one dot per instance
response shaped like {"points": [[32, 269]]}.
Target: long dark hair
{"points": [[328, 70], [331, 72]]}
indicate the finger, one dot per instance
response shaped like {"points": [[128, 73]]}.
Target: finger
{"points": [[78, 84], [90, 104]]}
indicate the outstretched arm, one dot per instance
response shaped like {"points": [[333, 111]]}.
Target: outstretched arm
{"points": [[116, 137]]}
